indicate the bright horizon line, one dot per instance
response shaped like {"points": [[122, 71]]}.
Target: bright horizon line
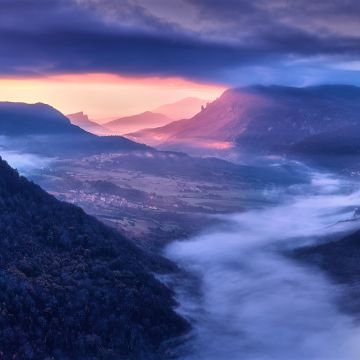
{"points": [[105, 96]]}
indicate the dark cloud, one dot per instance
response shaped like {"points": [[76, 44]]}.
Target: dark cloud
{"points": [[215, 42]]}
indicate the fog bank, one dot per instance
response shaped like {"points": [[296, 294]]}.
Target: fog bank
{"points": [[257, 304]]}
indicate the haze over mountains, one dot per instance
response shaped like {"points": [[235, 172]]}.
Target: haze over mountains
{"points": [[182, 109], [39, 128], [160, 116], [257, 120], [260, 118], [82, 120], [132, 123]]}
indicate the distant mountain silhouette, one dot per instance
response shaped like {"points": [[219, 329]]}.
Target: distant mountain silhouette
{"points": [[71, 288], [132, 123], [41, 128], [82, 120], [261, 118], [182, 109], [34, 119]]}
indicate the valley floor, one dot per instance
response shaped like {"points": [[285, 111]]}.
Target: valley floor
{"points": [[148, 208]]}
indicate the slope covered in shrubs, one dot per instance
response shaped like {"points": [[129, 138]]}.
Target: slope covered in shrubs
{"points": [[71, 288]]}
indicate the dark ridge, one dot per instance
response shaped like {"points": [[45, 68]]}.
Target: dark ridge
{"points": [[33, 119], [42, 129], [340, 259], [71, 288]]}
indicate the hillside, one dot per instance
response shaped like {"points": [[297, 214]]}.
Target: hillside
{"points": [[340, 260], [73, 288], [18, 119], [43, 129], [82, 120], [182, 109], [343, 141], [260, 118]]}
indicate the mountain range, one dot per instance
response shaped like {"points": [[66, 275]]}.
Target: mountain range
{"points": [[264, 119], [39, 128], [42, 129], [253, 120], [160, 116]]}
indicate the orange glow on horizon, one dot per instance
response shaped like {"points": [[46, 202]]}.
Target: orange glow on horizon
{"points": [[104, 96]]}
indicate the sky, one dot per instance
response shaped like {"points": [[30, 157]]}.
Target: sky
{"points": [[110, 57], [103, 96]]}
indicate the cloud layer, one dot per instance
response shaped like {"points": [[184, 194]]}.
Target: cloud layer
{"points": [[228, 41]]}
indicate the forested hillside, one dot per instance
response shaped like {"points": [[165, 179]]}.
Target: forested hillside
{"points": [[71, 288]]}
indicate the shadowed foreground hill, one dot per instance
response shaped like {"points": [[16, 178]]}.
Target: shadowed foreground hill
{"points": [[71, 288]]}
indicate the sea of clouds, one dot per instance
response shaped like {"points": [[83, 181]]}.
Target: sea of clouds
{"points": [[254, 303]]}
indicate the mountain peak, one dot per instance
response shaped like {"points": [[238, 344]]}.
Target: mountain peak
{"points": [[38, 118], [82, 120], [261, 117]]}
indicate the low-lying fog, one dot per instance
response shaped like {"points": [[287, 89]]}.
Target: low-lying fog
{"points": [[254, 302], [25, 163]]}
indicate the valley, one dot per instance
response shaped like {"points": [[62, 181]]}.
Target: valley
{"points": [[179, 180], [214, 233], [154, 208]]}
